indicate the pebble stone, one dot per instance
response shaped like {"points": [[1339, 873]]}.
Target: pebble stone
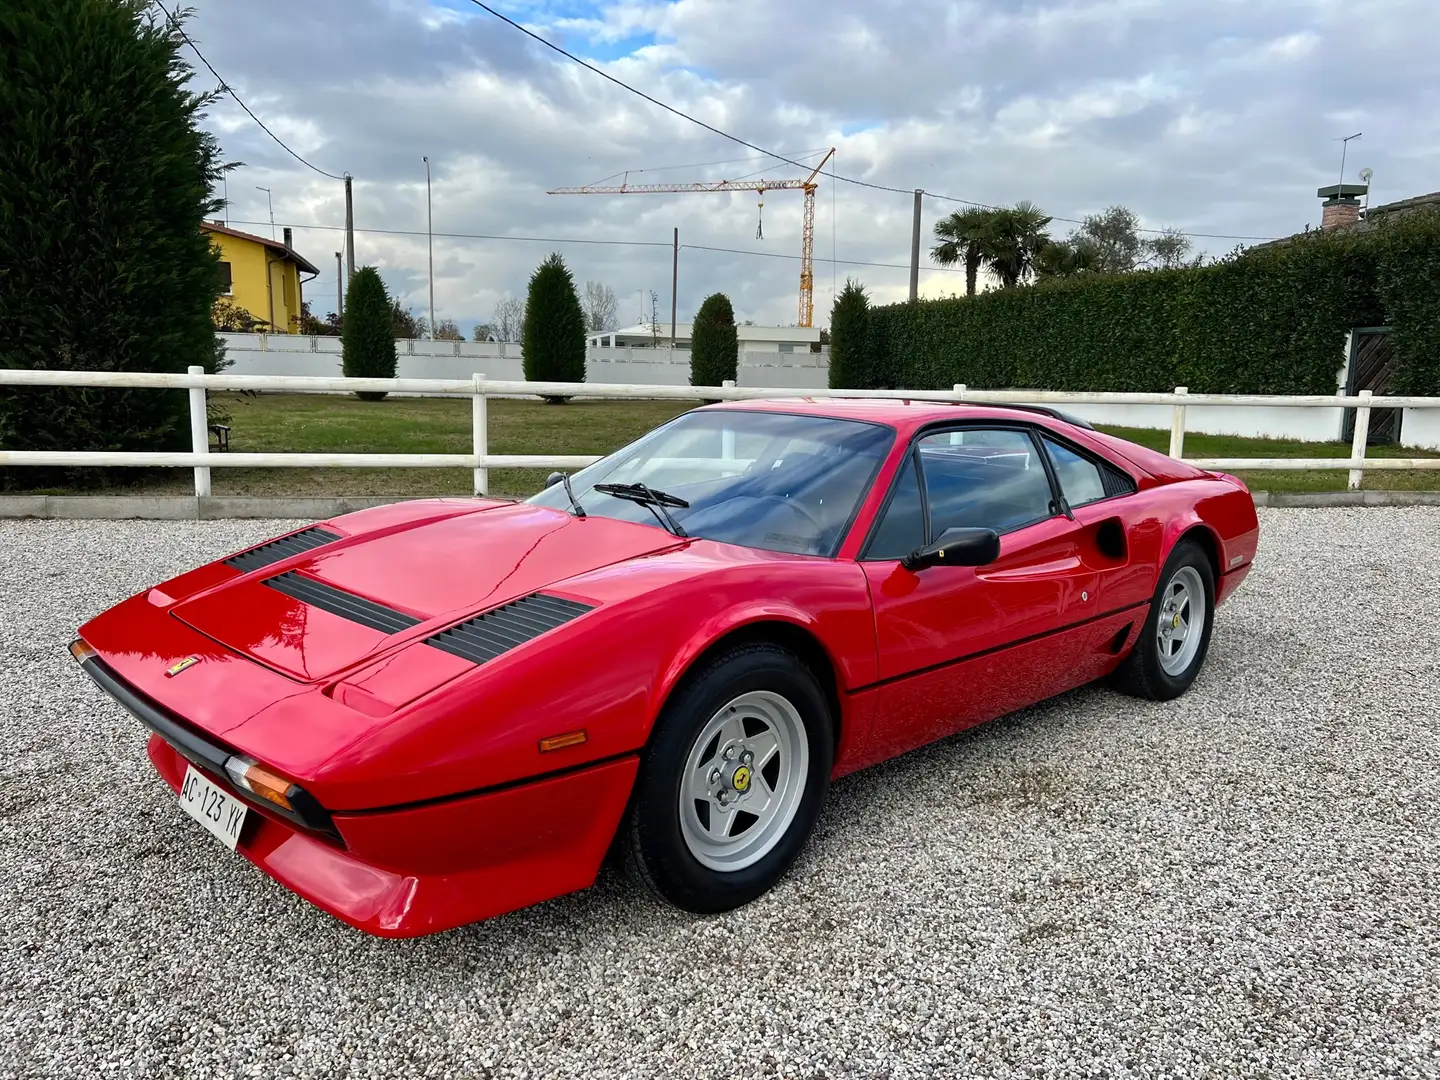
{"points": [[1241, 883]]}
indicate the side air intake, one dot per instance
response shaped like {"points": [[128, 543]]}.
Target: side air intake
{"points": [[496, 632], [339, 602], [276, 550]]}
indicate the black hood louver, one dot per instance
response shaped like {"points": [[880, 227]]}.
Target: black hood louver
{"points": [[276, 550], [496, 632], [339, 602]]}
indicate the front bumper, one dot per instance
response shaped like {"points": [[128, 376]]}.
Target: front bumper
{"points": [[416, 870]]}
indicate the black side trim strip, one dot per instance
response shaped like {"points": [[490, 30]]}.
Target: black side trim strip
{"points": [[497, 632], [998, 648], [275, 551], [553, 774], [339, 602], [198, 750]]}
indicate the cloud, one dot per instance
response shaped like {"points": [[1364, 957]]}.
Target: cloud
{"points": [[1217, 116]]}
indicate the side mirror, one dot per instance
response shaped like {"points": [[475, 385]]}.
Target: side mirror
{"points": [[554, 478], [956, 547]]}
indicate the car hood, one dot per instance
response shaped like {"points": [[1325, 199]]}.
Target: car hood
{"points": [[359, 596]]}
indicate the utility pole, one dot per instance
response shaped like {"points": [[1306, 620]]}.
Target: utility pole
{"points": [[272, 208], [339, 287], [915, 247], [349, 232], [430, 234], [674, 285]]}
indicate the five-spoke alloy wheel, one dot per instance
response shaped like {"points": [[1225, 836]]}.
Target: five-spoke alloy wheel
{"points": [[1171, 646], [732, 780]]}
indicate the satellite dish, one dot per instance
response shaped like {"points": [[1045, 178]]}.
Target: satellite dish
{"points": [[1365, 175]]}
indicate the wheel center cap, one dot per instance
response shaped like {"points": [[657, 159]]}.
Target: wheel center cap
{"points": [[740, 779], [1175, 622]]}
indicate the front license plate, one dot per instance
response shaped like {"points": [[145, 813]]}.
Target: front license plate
{"points": [[219, 811]]}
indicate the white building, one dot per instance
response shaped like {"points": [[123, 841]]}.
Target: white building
{"points": [[775, 339]]}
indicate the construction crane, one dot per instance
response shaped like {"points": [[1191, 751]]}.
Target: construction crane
{"points": [[807, 241]]}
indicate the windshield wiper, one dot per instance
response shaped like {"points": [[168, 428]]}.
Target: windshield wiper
{"points": [[654, 501], [570, 494]]}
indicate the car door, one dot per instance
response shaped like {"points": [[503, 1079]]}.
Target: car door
{"points": [[958, 645]]}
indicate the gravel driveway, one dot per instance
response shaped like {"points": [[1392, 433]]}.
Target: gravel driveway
{"points": [[1240, 883]]}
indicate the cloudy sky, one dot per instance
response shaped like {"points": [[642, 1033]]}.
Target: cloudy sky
{"points": [[1217, 116]]}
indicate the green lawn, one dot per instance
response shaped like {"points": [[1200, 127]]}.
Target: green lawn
{"points": [[1231, 446], [335, 424]]}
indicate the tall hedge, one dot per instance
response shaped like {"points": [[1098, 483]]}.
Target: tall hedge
{"points": [[714, 344], [852, 359], [553, 341], [367, 338], [105, 179], [1271, 320]]}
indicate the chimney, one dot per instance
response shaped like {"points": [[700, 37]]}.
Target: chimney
{"points": [[1341, 207], [287, 234]]}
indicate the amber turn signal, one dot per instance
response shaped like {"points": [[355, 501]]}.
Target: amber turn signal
{"points": [[81, 651], [258, 780], [559, 742]]}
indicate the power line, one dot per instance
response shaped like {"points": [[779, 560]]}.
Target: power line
{"points": [[229, 90], [770, 153], [610, 243], [475, 236], [821, 259]]}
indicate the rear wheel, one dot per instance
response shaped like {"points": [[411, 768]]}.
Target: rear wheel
{"points": [[732, 782], [1176, 635]]}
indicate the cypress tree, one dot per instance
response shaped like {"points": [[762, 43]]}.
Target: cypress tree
{"points": [[852, 364], [714, 346], [105, 179], [367, 341], [553, 341]]}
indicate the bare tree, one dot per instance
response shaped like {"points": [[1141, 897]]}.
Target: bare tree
{"points": [[446, 330], [509, 320], [601, 307]]}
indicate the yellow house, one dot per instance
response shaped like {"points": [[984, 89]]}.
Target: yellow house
{"points": [[262, 276]]}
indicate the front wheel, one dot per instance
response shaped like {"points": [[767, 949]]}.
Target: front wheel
{"points": [[1176, 634], [732, 782]]}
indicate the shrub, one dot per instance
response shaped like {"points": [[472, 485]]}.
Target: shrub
{"points": [[1271, 320], [714, 345], [852, 359], [553, 341], [367, 344], [105, 180]]}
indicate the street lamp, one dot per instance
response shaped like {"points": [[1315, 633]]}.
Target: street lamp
{"points": [[271, 205], [430, 236]]}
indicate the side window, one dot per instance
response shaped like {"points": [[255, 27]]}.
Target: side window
{"points": [[1082, 480], [902, 528], [984, 478]]}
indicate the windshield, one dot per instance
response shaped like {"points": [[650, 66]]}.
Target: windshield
{"points": [[758, 479]]}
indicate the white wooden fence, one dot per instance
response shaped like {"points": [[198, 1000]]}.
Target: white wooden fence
{"points": [[480, 389]]}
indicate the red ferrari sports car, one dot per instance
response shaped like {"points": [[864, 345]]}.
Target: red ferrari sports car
{"points": [[432, 712]]}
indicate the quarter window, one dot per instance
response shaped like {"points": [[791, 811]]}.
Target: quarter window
{"points": [[1082, 480]]}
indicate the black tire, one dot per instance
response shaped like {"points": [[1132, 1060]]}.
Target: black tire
{"points": [[1140, 674], [653, 846]]}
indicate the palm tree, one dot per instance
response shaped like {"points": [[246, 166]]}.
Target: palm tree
{"points": [[1015, 244], [1062, 259], [964, 236]]}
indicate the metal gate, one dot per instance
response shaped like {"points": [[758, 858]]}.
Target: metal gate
{"points": [[1372, 367]]}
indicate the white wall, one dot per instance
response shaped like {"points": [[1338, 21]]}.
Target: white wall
{"points": [[292, 354], [1308, 425]]}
